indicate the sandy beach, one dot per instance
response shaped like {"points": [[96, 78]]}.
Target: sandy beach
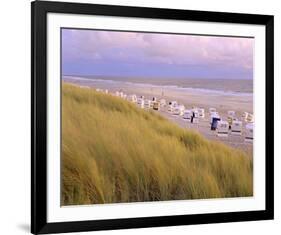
{"points": [[222, 101], [203, 127]]}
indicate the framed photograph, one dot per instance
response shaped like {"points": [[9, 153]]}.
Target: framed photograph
{"points": [[145, 117]]}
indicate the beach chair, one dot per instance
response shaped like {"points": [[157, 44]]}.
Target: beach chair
{"points": [[230, 120], [187, 114], [178, 110], [201, 113], [250, 118], [156, 105], [214, 124], [222, 128], [147, 103], [140, 103], [214, 115], [170, 108], [152, 103], [249, 132], [122, 95], [236, 127], [172, 105]]}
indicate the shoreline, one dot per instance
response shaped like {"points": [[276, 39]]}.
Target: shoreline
{"points": [[153, 84]]}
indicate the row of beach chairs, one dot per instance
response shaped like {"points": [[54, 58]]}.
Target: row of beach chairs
{"points": [[232, 125], [223, 128]]}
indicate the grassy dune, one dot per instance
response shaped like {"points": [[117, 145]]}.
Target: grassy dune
{"points": [[113, 151]]}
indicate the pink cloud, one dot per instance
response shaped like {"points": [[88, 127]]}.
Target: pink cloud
{"points": [[162, 48]]}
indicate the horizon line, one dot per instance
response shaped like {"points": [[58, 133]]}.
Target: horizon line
{"points": [[164, 77]]}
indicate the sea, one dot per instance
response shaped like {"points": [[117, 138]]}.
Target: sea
{"points": [[219, 86]]}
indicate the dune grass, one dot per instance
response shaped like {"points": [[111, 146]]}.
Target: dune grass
{"points": [[113, 152]]}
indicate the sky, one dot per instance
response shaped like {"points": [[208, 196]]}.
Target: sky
{"points": [[135, 54]]}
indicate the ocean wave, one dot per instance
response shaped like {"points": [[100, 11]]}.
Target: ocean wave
{"points": [[170, 87]]}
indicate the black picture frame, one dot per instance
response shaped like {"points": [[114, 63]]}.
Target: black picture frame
{"points": [[39, 12]]}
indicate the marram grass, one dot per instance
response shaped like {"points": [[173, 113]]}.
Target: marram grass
{"points": [[112, 151]]}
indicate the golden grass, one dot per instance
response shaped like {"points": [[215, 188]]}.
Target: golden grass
{"points": [[113, 151]]}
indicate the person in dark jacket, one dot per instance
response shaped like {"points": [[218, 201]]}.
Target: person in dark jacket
{"points": [[192, 116]]}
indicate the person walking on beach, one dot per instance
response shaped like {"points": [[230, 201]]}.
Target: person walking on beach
{"points": [[192, 116]]}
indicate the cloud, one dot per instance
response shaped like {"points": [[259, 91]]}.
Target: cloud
{"points": [[201, 50], [152, 48]]}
